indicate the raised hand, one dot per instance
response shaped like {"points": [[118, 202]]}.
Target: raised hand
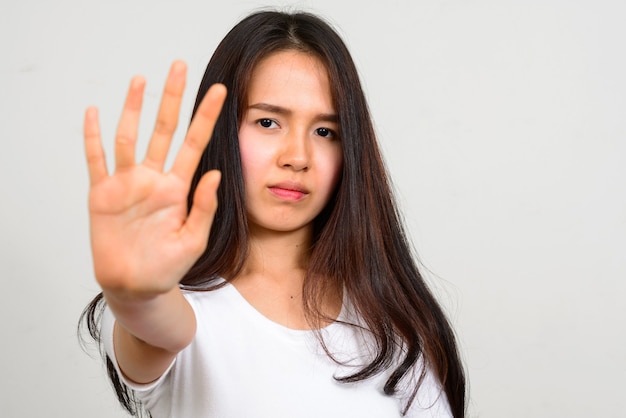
{"points": [[142, 240]]}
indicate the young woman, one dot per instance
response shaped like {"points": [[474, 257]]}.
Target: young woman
{"points": [[297, 295]]}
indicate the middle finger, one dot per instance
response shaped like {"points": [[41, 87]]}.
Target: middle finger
{"points": [[167, 118]]}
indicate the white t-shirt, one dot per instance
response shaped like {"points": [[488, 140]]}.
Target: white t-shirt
{"points": [[243, 365]]}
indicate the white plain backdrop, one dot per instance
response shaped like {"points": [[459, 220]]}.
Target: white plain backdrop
{"points": [[502, 123]]}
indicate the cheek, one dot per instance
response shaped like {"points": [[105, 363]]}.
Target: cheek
{"points": [[253, 156], [244, 149], [332, 167], [246, 157]]}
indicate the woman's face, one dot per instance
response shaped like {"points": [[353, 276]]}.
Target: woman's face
{"points": [[290, 152]]}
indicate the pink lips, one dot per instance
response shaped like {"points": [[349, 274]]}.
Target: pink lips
{"points": [[288, 191]]}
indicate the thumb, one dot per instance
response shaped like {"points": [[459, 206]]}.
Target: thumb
{"points": [[203, 209]]}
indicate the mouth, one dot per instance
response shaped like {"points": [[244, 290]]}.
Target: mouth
{"points": [[290, 191]]}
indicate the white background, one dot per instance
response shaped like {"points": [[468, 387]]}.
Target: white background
{"points": [[502, 123]]}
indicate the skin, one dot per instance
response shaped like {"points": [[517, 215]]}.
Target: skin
{"points": [[291, 160], [142, 239]]}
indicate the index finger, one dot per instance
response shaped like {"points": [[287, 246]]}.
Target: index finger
{"points": [[199, 132]]}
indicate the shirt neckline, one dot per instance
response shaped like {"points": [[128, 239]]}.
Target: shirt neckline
{"points": [[256, 315]]}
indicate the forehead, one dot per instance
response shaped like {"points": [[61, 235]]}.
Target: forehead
{"points": [[290, 73]]}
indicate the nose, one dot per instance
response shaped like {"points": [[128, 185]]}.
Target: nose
{"points": [[295, 153]]}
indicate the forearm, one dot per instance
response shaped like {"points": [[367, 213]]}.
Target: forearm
{"points": [[144, 235], [149, 332]]}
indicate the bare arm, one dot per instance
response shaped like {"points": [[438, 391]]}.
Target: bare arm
{"points": [[142, 240]]}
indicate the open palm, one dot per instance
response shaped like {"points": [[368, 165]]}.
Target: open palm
{"points": [[142, 239]]}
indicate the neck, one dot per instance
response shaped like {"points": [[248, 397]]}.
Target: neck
{"points": [[278, 256], [273, 274]]}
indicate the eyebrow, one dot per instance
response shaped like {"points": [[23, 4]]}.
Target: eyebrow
{"points": [[322, 117]]}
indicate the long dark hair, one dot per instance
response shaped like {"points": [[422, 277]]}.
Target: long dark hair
{"points": [[359, 241]]}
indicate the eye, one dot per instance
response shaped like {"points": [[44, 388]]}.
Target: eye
{"points": [[266, 123], [325, 132]]}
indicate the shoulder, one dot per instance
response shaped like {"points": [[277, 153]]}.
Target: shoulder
{"points": [[420, 389], [221, 301]]}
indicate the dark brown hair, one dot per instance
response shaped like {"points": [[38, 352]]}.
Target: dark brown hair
{"points": [[359, 241]]}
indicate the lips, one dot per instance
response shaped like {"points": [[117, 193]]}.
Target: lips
{"points": [[291, 191]]}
